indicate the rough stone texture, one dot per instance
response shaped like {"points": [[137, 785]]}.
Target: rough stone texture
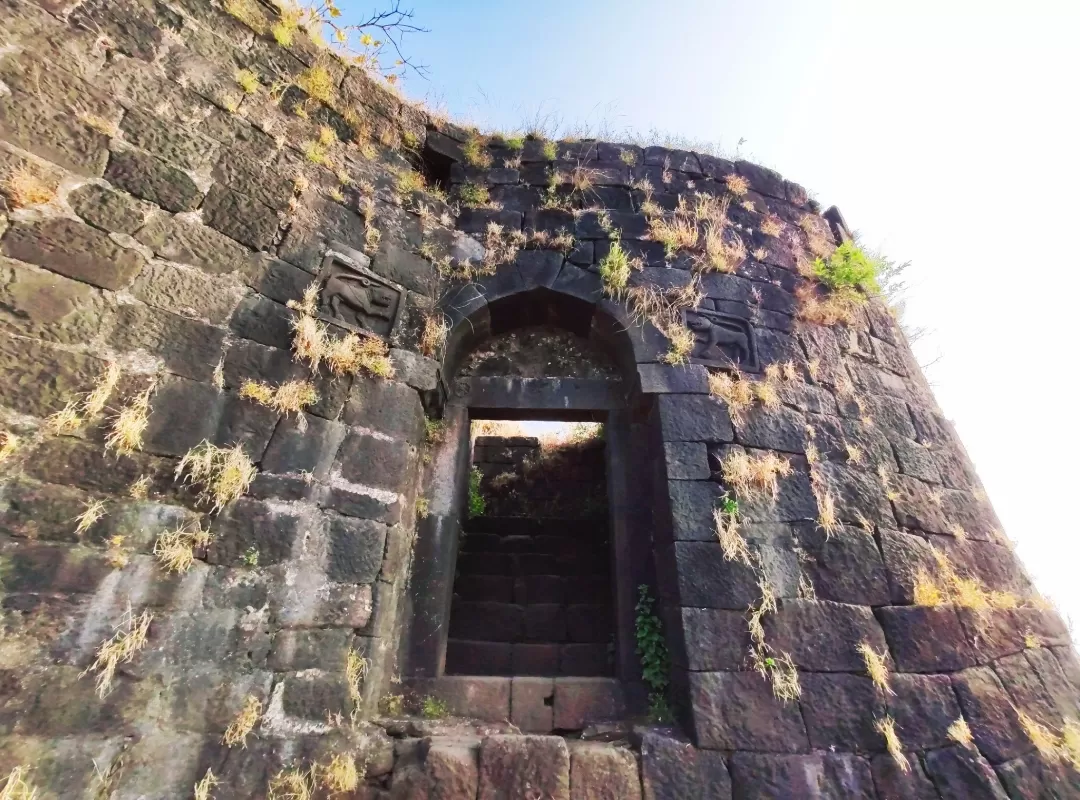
{"points": [[601, 772], [176, 239]]}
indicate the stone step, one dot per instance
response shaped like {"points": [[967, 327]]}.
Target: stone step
{"points": [[532, 589], [536, 526], [489, 563], [533, 704], [470, 657], [542, 622], [550, 543]]}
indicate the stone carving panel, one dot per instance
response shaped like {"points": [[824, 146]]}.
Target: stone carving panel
{"points": [[354, 297], [721, 340]]}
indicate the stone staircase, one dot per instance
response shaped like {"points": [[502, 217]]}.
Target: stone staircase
{"points": [[532, 597]]}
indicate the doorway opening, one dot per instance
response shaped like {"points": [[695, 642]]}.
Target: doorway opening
{"points": [[533, 592]]}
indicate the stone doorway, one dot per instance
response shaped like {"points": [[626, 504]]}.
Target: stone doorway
{"points": [[533, 593]]}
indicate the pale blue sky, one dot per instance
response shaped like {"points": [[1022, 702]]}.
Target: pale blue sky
{"points": [[947, 133]]}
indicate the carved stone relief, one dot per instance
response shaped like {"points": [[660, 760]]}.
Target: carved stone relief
{"points": [[354, 297], [721, 340]]}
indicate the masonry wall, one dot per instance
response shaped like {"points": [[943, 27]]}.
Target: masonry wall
{"points": [[187, 213]]}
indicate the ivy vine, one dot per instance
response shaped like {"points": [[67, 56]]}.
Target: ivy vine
{"points": [[653, 652]]}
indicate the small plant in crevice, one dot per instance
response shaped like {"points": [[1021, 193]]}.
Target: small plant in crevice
{"points": [[91, 513], [292, 784], [434, 708], [876, 666], [9, 445], [732, 542], [341, 776], [24, 187], [129, 638], [737, 184], [116, 552], [17, 785], [474, 196], [291, 397], [886, 726], [960, 732], [476, 153], [248, 81], [615, 268], [423, 507], [433, 337], [250, 557], [205, 786], [224, 474], [175, 549], [128, 427], [477, 503], [653, 652]]}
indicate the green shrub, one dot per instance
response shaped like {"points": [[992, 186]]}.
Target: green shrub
{"points": [[477, 503], [434, 708], [653, 652], [848, 266], [615, 268], [474, 196]]}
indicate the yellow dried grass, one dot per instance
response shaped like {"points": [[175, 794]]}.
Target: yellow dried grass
{"points": [[244, 723], [128, 639]]}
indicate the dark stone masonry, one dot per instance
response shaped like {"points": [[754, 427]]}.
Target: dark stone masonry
{"points": [[336, 624]]}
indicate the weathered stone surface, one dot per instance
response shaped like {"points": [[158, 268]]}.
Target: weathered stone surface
{"points": [[686, 461], [240, 217], [775, 429], [706, 579], [690, 418], [185, 148], [603, 772], [38, 379], [580, 701], [248, 524], [264, 321], [715, 639], [924, 706], [74, 462], [371, 461], [152, 179], [818, 775], [108, 209], [315, 694], [187, 292], [453, 771], [184, 239], [47, 306], [667, 379], [514, 766], [52, 132], [310, 649], [893, 782], [388, 407], [914, 634], [905, 555], [845, 567], [960, 773], [840, 712], [990, 714], [532, 704], [737, 711], [692, 503], [73, 249], [308, 447], [823, 636], [356, 550], [1035, 776], [858, 494], [188, 348], [673, 769]]}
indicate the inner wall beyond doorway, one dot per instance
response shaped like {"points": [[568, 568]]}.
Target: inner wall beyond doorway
{"points": [[533, 592]]}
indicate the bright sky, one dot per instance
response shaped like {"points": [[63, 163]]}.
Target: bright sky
{"points": [[946, 132]]}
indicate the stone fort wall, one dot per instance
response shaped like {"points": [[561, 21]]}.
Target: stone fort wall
{"points": [[169, 219]]}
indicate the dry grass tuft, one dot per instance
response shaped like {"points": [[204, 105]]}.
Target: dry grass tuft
{"points": [[176, 549], [433, 338], [225, 473], [734, 390], [92, 512], [960, 733], [9, 445], [205, 786], [129, 425], [317, 82], [737, 185], [1045, 740], [341, 775], [309, 340], [291, 784], [64, 422], [676, 233], [765, 391], [140, 488], [353, 354], [681, 343], [476, 153], [887, 728], [876, 667], [732, 542], [116, 553], [723, 253], [771, 225], [841, 305], [290, 397], [356, 667], [1070, 743], [95, 402], [1031, 640], [129, 639], [854, 454], [24, 187], [927, 591], [615, 269], [248, 81], [827, 519], [754, 476], [244, 723], [17, 785]]}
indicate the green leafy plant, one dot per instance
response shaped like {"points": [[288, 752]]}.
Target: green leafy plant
{"points": [[477, 503], [434, 708], [474, 196], [615, 268], [251, 557], [848, 266], [653, 652], [549, 151]]}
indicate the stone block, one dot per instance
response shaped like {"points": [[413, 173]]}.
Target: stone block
{"points": [[415, 370], [240, 217], [41, 511], [960, 772], [738, 711], [673, 769], [773, 429], [715, 640], [691, 418], [581, 701], [840, 711], [915, 633], [377, 462], [706, 579], [991, 715], [905, 555], [856, 492], [190, 349], [453, 770], [187, 292], [356, 549], [310, 447], [493, 622], [1035, 776], [75, 462], [536, 659], [264, 321], [532, 704], [686, 461], [388, 407], [924, 706], [150, 178], [104, 208], [314, 695], [484, 698], [603, 772], [52, 132], [818, 775], [845, 567], [520, 766], [40, 304], [545, 623], [478, 658], [185, 148], [271, 185], [183, 414], [667, 379], [248, 524], [187, 241], [74, 250], [310, 649], [893, 782], [404, 267], [823, 636]]}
